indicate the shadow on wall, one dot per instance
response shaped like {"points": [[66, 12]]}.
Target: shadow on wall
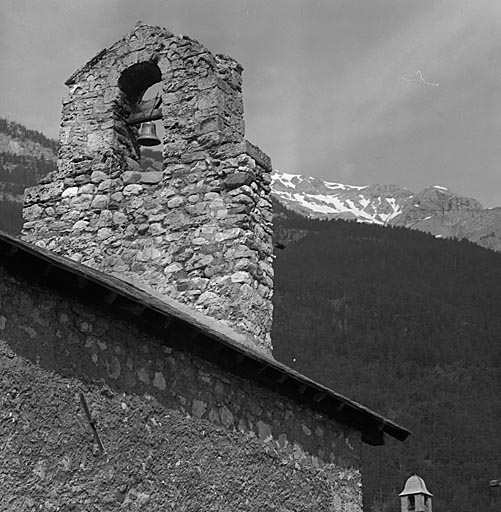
{"points": [[61, 334]]}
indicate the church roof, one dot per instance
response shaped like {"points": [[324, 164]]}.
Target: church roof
{"points": [[415, 485], [205, 337]]}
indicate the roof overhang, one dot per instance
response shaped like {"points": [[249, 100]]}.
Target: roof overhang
{"points": [[189, 330]]}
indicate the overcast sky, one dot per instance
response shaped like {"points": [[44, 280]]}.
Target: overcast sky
{"points": [[358, 91]]}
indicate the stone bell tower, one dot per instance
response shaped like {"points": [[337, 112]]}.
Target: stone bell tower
{"points": [[199, 230], [415, 497]]}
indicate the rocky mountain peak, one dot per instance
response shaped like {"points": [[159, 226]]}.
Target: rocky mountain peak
{"points": [[445, 200], [434, 201]]}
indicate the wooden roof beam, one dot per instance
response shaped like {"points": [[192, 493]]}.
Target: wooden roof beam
{"points": [[81, 282], [302, 389], [147, 110], [133, 307], [318, 397], [9, 251], [374, 436], [240, 358], [141, 117], [110, 297], [282, 378], [47, 269]]}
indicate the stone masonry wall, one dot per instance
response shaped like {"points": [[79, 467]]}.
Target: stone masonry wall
{"points": [[81, 341], [200, 229]]}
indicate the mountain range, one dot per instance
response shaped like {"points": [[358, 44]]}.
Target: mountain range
{"points": [[435, 210]]}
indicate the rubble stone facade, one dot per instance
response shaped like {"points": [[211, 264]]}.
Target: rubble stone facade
{"points": [[199, 230], [295, 458]]}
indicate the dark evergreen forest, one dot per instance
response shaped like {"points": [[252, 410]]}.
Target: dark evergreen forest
{"points": [[24, 171], [410, 326], [18, 171]]}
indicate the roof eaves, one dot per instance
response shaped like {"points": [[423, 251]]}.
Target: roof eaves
{"points": [[236, 342]]}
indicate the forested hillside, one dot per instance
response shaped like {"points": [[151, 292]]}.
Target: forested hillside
{"points": [[25, 157], [409, 325], [20, 132]]}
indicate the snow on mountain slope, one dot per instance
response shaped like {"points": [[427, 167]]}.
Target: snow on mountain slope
{"points": [[435, 210], [310, 196]]}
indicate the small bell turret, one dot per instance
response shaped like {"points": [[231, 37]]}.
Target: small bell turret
{"points": [[415, 497], [148, 135]]}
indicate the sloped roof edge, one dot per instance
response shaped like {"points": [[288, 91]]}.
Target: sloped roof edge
{"points": [[371, 424]]}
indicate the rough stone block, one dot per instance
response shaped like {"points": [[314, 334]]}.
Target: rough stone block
{"points": [[104, 233], [226, 417], [132, 189], [238, 179], [175, 202], [119, 218], [32, 213], [129, 177], [99, 202], [69, 192], [151, 177], [198, 408], [98, 177], [159, 381], [80, 225]]}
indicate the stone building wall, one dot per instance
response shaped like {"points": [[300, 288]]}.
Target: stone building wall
{"points": [[200, 229], [77, 340]]}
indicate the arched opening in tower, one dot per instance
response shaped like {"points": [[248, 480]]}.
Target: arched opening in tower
{"points": [[141, 105]]}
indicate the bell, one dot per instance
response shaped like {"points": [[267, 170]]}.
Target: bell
{"points": [[148, 135]]}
